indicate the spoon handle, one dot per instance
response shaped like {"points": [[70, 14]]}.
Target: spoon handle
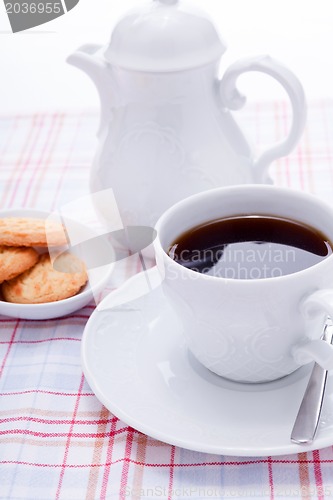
{"points": [[307, 420]]}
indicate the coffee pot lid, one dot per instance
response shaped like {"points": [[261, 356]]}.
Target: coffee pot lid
{"points": [[164, 35]]}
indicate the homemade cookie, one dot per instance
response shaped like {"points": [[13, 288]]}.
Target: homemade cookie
{"points": [[42, 283], [16, 260], [30, 232]]}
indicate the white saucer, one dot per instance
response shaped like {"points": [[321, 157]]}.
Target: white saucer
{"points": [[136, 361]]}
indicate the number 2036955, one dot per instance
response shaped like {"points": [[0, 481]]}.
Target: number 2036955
{"points": [[33, 8]]}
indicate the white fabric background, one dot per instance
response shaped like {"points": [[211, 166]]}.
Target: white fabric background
{"points": [[35, 77]]}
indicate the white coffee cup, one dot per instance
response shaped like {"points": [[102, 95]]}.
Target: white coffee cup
{"points": [[250, 330]]}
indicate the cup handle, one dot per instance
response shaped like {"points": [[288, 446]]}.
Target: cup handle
{"points": [[234, 100], [319, 350]]}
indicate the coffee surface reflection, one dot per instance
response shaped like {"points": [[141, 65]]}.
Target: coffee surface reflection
{"points": [[250, 247]]}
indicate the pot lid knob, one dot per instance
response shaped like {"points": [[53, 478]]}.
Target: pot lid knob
{"points": [[168, 2]]}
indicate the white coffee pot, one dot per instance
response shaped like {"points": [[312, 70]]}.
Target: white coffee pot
{"points": [[166, 130]]}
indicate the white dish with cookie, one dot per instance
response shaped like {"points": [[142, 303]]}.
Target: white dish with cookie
{"points": [[40, 276]]}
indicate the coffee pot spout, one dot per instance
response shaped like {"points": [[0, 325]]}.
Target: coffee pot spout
{"points": [[89, 59]]}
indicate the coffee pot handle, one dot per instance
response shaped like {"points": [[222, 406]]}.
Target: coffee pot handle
{"points": [[234, 100]]}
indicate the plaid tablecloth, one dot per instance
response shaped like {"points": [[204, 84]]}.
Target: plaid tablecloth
{"points": [[56, 440]]}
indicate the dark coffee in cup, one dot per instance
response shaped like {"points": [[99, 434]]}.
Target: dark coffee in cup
{"points": [[250, 247]]}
